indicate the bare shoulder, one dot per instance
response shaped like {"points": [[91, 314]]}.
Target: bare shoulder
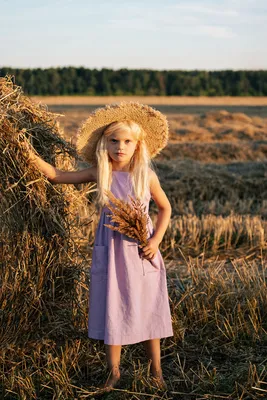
{"points": [[156, 191], [153, 179], [154, 185]]}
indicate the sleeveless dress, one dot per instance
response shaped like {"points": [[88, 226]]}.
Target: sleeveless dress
{"points": [[128, 301]]}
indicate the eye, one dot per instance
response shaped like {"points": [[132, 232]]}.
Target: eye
{"points": [[113, 140], [127, 141]]}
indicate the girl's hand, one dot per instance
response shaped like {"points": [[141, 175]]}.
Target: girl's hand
{"points": [[151, 249], [27, 146]]}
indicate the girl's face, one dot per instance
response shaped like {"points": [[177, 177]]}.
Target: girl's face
{"points": [[121, 147]]}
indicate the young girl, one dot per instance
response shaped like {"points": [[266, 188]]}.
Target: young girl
{"points": [[128, 291]]}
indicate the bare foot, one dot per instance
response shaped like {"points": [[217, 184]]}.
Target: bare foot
{"points": [[158, 380], [112, 380], [160, 383]]}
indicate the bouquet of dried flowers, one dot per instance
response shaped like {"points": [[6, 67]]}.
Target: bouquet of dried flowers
{"points": [[130, 218]]}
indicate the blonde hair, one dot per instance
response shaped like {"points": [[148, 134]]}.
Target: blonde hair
{"points": [[139, 164]]}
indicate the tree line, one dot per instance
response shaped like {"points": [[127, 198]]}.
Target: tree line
{"points": [[142, 82]]}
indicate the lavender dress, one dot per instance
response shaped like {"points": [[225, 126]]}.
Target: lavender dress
{"points": [[128, 300]]}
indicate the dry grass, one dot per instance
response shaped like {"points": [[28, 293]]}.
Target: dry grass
{"points": [[214, 165], [216, 152], [198, 188], [212, 234], [129, 218], [41, 267], [217, 126], [165, 100], [214, 251], [221, 321], [218, 310]]}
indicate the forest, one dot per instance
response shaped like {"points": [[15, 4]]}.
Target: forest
{"points": [[139, 82]]}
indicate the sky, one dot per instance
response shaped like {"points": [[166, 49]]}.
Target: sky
{"points": [[151, 34]]}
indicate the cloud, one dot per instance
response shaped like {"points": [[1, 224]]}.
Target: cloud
{"points": [[185, 26], [201, 9], [223, 32], [182, 19]]}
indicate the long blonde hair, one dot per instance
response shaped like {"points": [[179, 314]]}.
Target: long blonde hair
{"points": [[139, 164]]}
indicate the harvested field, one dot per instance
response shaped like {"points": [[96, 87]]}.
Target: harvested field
{"points": [[159, 100], [214, 165], [214, 171]]}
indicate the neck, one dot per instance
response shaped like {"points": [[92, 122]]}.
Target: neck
{"points": [[121, 167]]}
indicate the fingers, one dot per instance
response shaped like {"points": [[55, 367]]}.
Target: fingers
{"points": [[148, 254], [149, 251]]}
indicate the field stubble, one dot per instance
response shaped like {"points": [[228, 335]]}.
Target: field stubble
{"points": [[214, 171], [215, 256]]}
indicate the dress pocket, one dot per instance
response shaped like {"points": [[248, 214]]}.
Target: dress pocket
{"points": [[145, 265], [99, 260], [151, 265]]}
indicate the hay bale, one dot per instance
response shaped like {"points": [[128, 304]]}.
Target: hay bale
{"points": [[39, 252], [241, 117]]}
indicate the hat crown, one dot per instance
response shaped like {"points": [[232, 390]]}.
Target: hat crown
{"points": [[153, 122]]}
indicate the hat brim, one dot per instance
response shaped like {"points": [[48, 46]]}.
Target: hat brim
{"points": [[153, 122]]}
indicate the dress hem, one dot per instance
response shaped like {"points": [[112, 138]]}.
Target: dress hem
{"points": [[130, 341]]}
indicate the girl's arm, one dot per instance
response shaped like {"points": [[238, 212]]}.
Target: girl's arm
{"points": [[55, 175], [164, 214]]}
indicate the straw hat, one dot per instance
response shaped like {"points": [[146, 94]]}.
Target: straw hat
{"points": [[153, 122]]}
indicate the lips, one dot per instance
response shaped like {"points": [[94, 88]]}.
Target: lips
{"points": [[120, 154]]}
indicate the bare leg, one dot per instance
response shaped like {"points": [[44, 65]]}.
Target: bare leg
{"points": [[113, 355], [153, 353]]}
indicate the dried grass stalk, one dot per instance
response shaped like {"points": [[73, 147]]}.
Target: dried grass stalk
{"points": [[40, 259], [130, 218]]}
